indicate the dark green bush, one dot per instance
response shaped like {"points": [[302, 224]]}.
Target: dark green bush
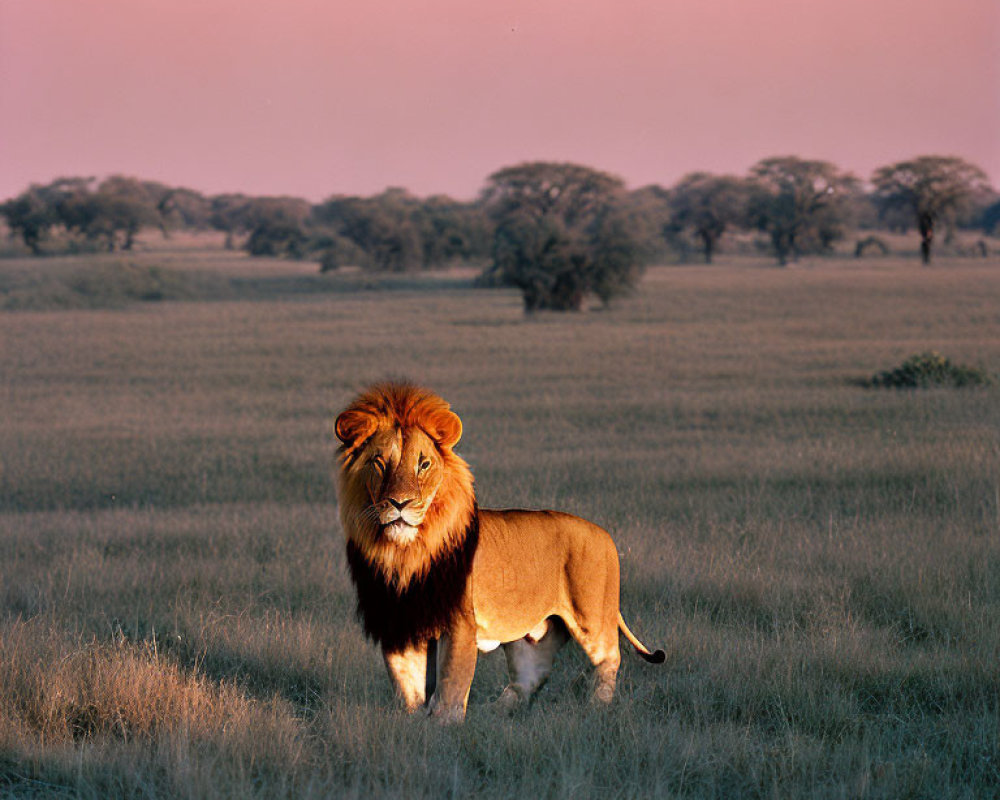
{"points": [[928, 369]]}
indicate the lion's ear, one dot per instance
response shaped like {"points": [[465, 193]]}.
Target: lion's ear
{"points": [[354, 426], [445, 427]]}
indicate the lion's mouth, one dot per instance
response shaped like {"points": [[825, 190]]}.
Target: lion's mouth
{"points": [[400, 532]]}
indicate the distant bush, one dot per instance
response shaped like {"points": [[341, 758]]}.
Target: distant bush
{"points": [[105, 285], [930, 369], [871, 243], [339, 251]]}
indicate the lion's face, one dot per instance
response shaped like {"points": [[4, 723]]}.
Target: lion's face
{"points": [[405, 496], [402, 472]]}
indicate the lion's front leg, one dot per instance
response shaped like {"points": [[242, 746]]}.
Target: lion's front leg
{"points": [[456, 666], [413, 672]]}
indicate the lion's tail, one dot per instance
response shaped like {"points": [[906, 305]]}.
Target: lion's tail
{"points": [[655, 657]]}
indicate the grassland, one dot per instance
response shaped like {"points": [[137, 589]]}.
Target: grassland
{"points": [[821, 560]]}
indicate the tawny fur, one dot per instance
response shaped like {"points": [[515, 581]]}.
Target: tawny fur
{"points": [[528, 581]]}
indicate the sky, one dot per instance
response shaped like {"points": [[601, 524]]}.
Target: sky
{"points": [[319, 97]]}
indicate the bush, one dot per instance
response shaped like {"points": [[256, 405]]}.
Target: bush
{"points": [[339, 251], [930, 369], [871, 243]]}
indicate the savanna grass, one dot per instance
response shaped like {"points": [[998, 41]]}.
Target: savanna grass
{"points": [[821, 561]]}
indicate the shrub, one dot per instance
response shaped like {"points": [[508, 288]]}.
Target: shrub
{"points": [[930, 369], [871, 243]]}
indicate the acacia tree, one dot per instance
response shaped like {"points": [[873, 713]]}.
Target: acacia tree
{"points": [[30, 216], [930, 189], [35, 212], [707, 204], [562, 233], [116, 211], [799, 202]]}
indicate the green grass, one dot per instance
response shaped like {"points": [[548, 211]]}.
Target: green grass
{"points": [[822, 562]]}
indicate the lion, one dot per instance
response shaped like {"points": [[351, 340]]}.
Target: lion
{"points": [[439, 579]]}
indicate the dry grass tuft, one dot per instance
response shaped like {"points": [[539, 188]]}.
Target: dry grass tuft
{"points": [[61, 690]]}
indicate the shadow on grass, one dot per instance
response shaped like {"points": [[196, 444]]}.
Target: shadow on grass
{"points": [[259, 677]]}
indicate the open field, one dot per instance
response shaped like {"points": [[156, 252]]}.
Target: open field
{"points": [[820, 560]]}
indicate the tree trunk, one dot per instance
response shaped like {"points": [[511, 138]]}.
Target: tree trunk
{"points": [[780, 248], [33, 241], [708, 246], [926, 223]]}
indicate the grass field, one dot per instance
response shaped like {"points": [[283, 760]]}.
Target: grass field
{"points": [[820, 560]]}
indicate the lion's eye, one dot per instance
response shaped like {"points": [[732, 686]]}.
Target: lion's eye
{"points": [[423, 465], [378, 464]]}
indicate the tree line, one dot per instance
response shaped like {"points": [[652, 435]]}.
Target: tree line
{"points": [[391, 231], [559, 232]]}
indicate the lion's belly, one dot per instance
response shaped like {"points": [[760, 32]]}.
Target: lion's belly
{"points": [[498, 621], [514, 589], [485, 632]]}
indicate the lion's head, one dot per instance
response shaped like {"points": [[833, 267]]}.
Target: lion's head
{"points": [[405, 496]]}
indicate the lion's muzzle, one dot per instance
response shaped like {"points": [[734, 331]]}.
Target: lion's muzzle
{"points": [[400, 532]]}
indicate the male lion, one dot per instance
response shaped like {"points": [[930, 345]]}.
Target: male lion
{"points": [[438, 578]]}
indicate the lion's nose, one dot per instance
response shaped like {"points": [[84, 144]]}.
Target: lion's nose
{"points": [[399, 504]]}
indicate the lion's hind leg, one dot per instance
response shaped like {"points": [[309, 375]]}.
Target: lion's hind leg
{"points": [[529, 662], [603, 652]]}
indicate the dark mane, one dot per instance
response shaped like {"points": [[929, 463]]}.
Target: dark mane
{"points": [[396, 619]]}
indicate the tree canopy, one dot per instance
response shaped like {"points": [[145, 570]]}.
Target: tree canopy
{"points": [[930, 189], [562, 233], [800, 203], [707, 204]]}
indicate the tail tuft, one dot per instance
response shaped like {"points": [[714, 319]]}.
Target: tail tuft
{"points": [[656, 657]]}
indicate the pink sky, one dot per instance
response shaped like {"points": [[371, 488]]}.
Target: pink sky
{"points": [[315, 97]]}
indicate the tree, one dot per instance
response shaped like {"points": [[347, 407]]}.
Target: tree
{"points": [[185, 208], [383, 226], [707, 204], [230, 214], [989, 220], [648, 208], [34, 213], [396, 232], [451, 230], [29, 216], [562, 234], [273, 225], [799, 203], [120, 206], [930, 190], [277, 226]]}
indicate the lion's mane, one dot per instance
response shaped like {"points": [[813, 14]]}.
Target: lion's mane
{"points": [[406, 593]]}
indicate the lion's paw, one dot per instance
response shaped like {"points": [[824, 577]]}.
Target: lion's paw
{"points": [[510, 700]]}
